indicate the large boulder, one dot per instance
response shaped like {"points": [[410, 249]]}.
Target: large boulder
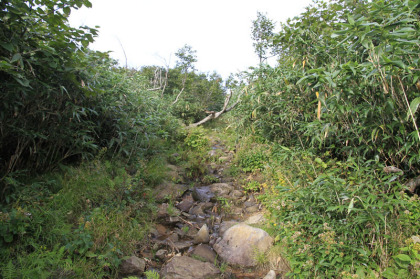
{"points": [[188, 268], [241, 243]]}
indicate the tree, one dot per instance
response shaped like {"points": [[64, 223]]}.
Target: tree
{"points": [[186, 59], [262, 34]]}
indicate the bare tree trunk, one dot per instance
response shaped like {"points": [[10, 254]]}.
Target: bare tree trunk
{"points": [[183, 87], [214, 115]]}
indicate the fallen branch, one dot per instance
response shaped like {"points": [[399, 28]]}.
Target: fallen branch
{"points": [[214, 115]]}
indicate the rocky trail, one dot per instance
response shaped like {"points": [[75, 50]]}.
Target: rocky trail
{"points": [[209, 230]]}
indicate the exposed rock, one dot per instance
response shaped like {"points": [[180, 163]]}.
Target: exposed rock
{"points": [[161, 254], [202, 235], [188, 268], [183, 245], [236, 211], [196, 210], [173, 237], [224, 226], [240, 243], [270, 275], [205, 252], [252, 209], [169, 190], [249, 203], [221, 189], [132, 266], [236, 194], [202, 194], [257, 218], [186, 204], [165, 210]]}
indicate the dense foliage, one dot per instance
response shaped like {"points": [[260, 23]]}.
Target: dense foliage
{"points": [[62, 102], [340, 106], [190, 94], [347, 82]]}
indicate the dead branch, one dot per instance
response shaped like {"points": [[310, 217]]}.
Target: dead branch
{"points": [[214, 115]]}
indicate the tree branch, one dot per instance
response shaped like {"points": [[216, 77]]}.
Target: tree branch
{"points": [[214, 115]]}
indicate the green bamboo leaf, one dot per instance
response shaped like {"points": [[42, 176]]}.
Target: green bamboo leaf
{"points": [[414, 105], [351, 205]]}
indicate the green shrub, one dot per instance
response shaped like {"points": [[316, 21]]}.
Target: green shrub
{"points": [[342, 220]]}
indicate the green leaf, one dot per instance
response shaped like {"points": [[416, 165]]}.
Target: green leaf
{"points": [[403, 258], [67, 10], [7, 46], [414, 105], [16, 57], [351, 205]]}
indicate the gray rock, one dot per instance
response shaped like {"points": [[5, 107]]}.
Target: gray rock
{"points": [[169, 190], [205, 252], [203, 235], [270, 275], [240, 244], [183, 245], [224, 226], [161, 254], [252, 209], [236, 194], [202, 194], [257, 218], [249, 203], [132, 266], [188, 268], [185, 205], [196, 210], [221, 189]]}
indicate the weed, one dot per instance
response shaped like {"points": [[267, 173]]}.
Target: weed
{"points": [[252, 186], [208, 179], [152, 274]]}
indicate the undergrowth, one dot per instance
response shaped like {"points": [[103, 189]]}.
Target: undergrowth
{"points": [[78, 224], [341, 219]]}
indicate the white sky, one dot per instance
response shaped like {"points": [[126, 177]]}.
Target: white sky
{"points": [[151, 31]]}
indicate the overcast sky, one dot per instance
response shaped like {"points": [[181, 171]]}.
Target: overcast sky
{"points": [[151, 31]]}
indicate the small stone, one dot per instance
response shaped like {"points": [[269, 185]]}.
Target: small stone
{"points": [[270, 275], [202, 235], [161, 254], [132, 266], [185, 205]]}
